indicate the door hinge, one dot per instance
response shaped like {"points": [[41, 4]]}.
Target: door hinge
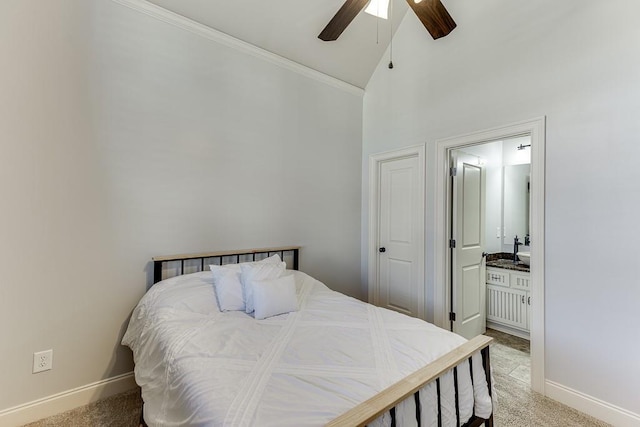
{"points": [[452, 317], [453, 171], [452, 243]]}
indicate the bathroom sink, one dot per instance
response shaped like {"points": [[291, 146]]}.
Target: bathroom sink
{"points": [[525, 257]]}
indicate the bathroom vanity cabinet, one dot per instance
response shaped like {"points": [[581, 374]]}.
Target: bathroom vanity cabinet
{"points": [[508, 301]]}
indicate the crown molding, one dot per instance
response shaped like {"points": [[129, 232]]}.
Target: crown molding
{"points": [[164, 15]]}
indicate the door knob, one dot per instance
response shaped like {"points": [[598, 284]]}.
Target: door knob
{"points": [[382, 249], [484, 254]]}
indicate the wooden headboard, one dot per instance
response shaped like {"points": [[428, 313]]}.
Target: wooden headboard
{"points": [[200, 260]]}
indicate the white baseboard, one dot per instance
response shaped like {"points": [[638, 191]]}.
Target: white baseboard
{"points": [[65, 401], [590, 405]]}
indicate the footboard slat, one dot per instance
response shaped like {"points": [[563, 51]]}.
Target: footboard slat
{"points": [[371, 409], [455, 388], [439, 402]]}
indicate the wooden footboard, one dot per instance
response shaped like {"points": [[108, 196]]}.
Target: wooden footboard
{"points": [[386, 400]]}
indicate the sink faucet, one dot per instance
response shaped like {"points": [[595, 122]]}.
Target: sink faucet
{"points": [[516, 243]]}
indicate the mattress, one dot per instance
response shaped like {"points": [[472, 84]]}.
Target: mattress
{"points": [[198, 366]]}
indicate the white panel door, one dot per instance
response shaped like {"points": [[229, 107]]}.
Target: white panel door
{"points": [[469, 272], [398, 275]]}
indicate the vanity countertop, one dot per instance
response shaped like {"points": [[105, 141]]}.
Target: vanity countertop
{"points": [[505, 260]]}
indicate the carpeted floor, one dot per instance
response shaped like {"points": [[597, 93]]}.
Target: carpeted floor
{"points": [[517, 404], [121, 410]]}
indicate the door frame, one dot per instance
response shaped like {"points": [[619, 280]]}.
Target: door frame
{"points": [[375, 161], [442, 298]]}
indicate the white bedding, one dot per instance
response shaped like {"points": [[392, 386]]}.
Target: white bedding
{"points": [[198, 366]]}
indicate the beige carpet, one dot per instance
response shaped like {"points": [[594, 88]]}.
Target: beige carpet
{"points": [[122, 410], [517, 404]]}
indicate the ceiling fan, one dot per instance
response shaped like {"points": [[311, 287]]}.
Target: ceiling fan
{"points": [[432, 14]]}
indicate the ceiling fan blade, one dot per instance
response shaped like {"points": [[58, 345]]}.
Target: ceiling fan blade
{"points": [[434, 17], [342, 19]]}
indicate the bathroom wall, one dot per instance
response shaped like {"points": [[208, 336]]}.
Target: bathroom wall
{"points": [[490, 155], [512, 156], [494, 156]]}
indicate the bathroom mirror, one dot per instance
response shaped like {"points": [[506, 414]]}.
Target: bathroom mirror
{"points": [[515, 202]]}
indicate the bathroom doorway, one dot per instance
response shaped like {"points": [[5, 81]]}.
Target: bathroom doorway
{"points": [[526, 139], [490, 277]]}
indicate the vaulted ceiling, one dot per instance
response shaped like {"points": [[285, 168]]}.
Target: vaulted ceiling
{"points": [[290, 28]]}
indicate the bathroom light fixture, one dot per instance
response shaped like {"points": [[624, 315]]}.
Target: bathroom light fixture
{"points": [[379, 8], [522, 147]]}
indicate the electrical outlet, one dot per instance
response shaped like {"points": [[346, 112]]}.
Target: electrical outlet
{"points": [[42, 361]]}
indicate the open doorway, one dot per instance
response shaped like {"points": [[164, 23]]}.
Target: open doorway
{"points": [[490, 235], [446, 300]]}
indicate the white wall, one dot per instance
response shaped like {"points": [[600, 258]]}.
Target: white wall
{"points": [[512, 155], [576, 63], [125, 137]]}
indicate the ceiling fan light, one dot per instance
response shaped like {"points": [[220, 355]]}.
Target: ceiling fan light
{"points": [[379, 8]]}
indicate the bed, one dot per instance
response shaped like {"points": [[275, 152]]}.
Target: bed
{"points": [[333, 360]]}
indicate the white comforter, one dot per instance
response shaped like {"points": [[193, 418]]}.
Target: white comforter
{"points": [[200, 367]]}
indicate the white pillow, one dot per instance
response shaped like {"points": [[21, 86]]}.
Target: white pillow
{"points": [[257, 271], [226, 280], [273, 297], [228, 289]]}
